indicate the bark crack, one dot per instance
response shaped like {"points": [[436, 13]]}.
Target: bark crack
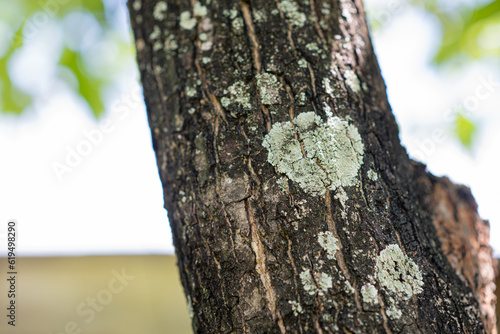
{"points": [[247, 16], [316, 21], [339, 255], [296, 273], [289, 30], [260, 267]]}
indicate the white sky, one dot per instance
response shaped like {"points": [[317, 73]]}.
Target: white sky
{"points": [[111, 202]]}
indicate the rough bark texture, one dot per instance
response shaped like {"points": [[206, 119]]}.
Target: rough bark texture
{"points": [[293, 206]]}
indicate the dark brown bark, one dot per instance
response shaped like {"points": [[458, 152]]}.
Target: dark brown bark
{"points": [[362, 244]]}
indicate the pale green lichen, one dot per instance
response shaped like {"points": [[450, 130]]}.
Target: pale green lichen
{"points": [[369, 294], [328, 110], [191, 92], [397, 273], [348, 287], [346, 13], [187, 22], [159, 11], [171, 43], [327, 87], [155, 33], [372, 175], [296, 307], [259, 16], [313, 47], [206, 60], [302, 97], [231, 13], [239, 93], [333, 152], [329, 244], [238, 24], [203, 36], [326, 9], [292, 13], [302, 63], [282, 182], [393, 312], [352, 81], [342, 197], [157, 46], [268, 86], [318, 285], [137, 5], [206, 46], [199, 10]]}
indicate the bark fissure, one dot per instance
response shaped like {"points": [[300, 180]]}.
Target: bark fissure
{"points": [[251, 33], [260, 267]]}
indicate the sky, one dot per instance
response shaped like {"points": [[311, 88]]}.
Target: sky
{"points": [[77, 186]]}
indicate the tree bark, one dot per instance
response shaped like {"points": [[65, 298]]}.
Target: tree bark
{"points": [[293, 206]]}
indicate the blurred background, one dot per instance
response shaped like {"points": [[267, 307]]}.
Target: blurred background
{"points": [[79, 176]]}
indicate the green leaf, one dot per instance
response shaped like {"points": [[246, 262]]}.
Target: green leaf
{"points": [[465, 129], [12, 100], [88, 86], [462, 29], [29, 15]]}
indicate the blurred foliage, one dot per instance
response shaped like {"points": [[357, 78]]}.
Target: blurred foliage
{"points": [[23, 21], [465, 129], [468, 32]]}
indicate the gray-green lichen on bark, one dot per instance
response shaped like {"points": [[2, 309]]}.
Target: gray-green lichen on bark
{"points": [[318, 156], [293, 206]]}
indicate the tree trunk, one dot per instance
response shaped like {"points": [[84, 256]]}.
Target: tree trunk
{"points": [[293, 206]]}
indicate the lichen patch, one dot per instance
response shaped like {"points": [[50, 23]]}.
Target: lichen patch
{"points": [[199, 10], [292, 13], [342, 197], [313, 47], [369, 294], [333, 152], [397, 273], [231, 13], [155, 34], [352, 81], [329, 244], [328, 87], [318, 285], [296, 307], [238, 93], [137, 4], [372, 175], [393, 312], [159, 11], [186, 21], [268, 86], [302, 63]]}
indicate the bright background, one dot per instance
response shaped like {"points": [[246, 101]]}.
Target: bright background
{"points": [[111, 201]]}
